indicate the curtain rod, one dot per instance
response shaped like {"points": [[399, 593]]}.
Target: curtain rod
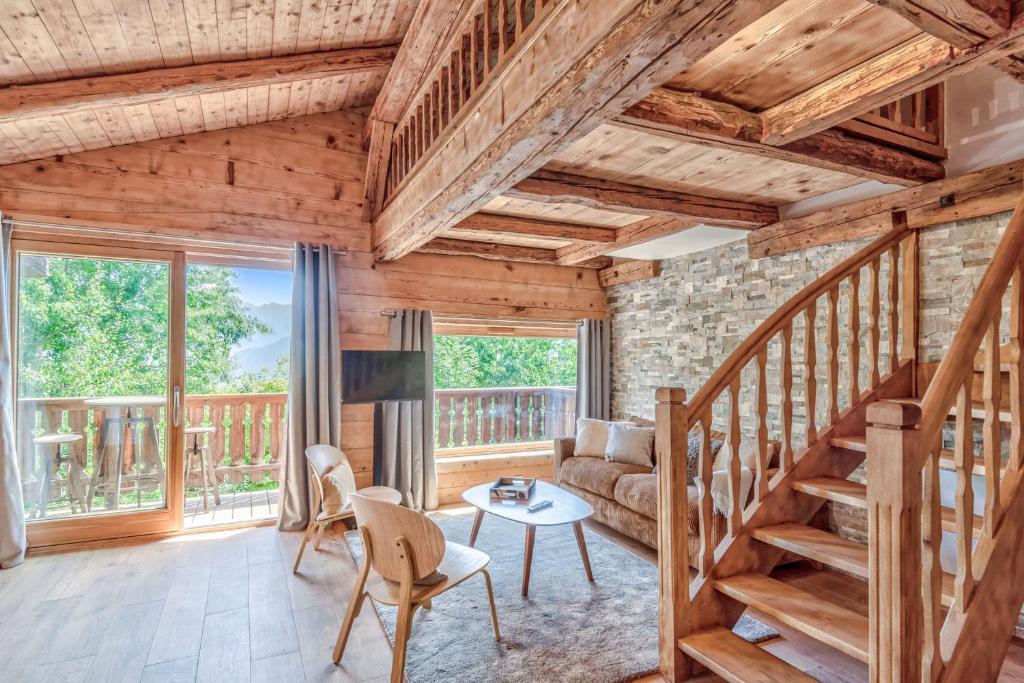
{"points": [[197, 241]]}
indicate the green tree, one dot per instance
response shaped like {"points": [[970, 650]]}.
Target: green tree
{"points": [[475, 362], [92, 327]]}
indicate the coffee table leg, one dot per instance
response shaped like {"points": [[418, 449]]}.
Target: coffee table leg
{"points": [[531, 532], [582, 543], [478, 519]]}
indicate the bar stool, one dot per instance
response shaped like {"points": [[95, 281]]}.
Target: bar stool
{"points": [[197, 450], [53, 460]]}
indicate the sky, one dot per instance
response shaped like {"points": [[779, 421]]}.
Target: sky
{"points": [[262, 286]]}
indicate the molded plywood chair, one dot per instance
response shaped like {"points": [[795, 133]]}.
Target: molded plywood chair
{"points": [[321, 460], [406, 562]]}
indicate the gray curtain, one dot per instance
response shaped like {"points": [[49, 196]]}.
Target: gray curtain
{"points": [[314, 384], [12, 508], [593, 369], [408, 430]]}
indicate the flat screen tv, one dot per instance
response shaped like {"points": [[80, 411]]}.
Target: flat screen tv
{"points": [[372, 376]]}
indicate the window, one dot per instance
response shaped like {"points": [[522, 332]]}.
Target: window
{"points": [[493, 390]]}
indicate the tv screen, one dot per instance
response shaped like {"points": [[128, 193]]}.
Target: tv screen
{"points": [[371, 376]]}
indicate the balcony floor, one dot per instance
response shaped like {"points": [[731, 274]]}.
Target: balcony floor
{"points": [[234, 508]]}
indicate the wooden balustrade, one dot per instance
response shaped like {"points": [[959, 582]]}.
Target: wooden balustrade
{"points": [[982, 602], [250, 437], [914, 122], [491, 34], [479, 417], [776, 415]]}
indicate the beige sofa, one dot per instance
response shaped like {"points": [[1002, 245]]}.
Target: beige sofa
{"points": [[624, 497]]}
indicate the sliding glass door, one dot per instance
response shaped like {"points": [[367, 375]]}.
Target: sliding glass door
{"points": [[99, 389]]}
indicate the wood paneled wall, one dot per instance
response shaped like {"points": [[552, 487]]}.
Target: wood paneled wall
{"points": [[275, 183]]}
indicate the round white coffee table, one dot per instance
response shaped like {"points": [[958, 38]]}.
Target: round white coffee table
{"points": [[566, 509]]}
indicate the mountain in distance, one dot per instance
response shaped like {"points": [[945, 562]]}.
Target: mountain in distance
{"points": [[261, 351]]}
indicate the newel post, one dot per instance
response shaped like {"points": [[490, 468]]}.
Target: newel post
{"points": [[673, 540], [896, 620]]}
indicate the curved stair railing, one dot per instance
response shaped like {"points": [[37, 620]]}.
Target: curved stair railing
{"points": [[966, 642], [851, 296]]}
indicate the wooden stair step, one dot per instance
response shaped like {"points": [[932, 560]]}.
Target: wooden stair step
{"points": [[977, 409], [831, 550], [816, 617], [855, 494], [818, 545], [738, 661], [858, 443]]}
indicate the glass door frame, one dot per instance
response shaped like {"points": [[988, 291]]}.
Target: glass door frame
{"points": [[129, 523]]}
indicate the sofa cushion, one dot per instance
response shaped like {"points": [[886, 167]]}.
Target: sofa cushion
{"points": [[639, 493], [596, 474]]}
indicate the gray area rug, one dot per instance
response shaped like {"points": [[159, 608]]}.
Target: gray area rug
{"points": [[566, 630]]}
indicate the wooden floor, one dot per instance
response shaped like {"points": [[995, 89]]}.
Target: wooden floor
{"points": [[224, 606]]}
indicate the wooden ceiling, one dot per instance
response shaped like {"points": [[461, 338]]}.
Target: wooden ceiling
{"points": [[43, 41], [758, 105]]}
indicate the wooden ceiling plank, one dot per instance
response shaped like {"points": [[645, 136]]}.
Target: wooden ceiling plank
{"points": [[638, 233], [156, 84], [513, 225], [909, 68], [609, 195], [695, 119], [581, 64], [503, 252], [974, 194]]}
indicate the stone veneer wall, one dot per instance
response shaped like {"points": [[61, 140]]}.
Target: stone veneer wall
{"points": [[676, 329]]}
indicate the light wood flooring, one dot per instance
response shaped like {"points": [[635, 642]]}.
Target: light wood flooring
{"points": [[224, 606]]}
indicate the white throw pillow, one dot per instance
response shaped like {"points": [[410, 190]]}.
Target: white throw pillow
{"points": [[630, 444], [591, 437], [337, 485]]}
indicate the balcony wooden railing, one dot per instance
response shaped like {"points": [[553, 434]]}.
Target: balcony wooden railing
{"points": [[914, 122], [251, 435], [492, 33], [482, 417]]}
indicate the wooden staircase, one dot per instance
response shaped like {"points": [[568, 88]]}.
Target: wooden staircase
{"points": [[924, 621]]}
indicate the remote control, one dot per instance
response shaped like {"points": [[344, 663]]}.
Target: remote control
{"points": [[539, 505]]}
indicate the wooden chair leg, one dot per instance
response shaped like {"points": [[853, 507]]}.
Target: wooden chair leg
{"points": [[490, 599], [305, 539], [355, 604], [402, 630], [319, 536]]}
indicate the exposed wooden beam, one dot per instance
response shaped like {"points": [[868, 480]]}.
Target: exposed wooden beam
{"points": [[381, 133], [694, 119], [515, 225], [503, 252], [961, 23], [981, 193], [635, 233], [905, 69], [584, 63], [628, 270], [424, 44], [61, 97], [565, 188]]}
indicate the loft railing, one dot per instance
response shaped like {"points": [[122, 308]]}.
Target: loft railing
{"points": [[914, 122], [502, 415], [491, 34], [961, 644], [250, 437]]}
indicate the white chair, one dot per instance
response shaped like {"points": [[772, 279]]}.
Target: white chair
{"points": [[321, 460], [411, 564]]}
